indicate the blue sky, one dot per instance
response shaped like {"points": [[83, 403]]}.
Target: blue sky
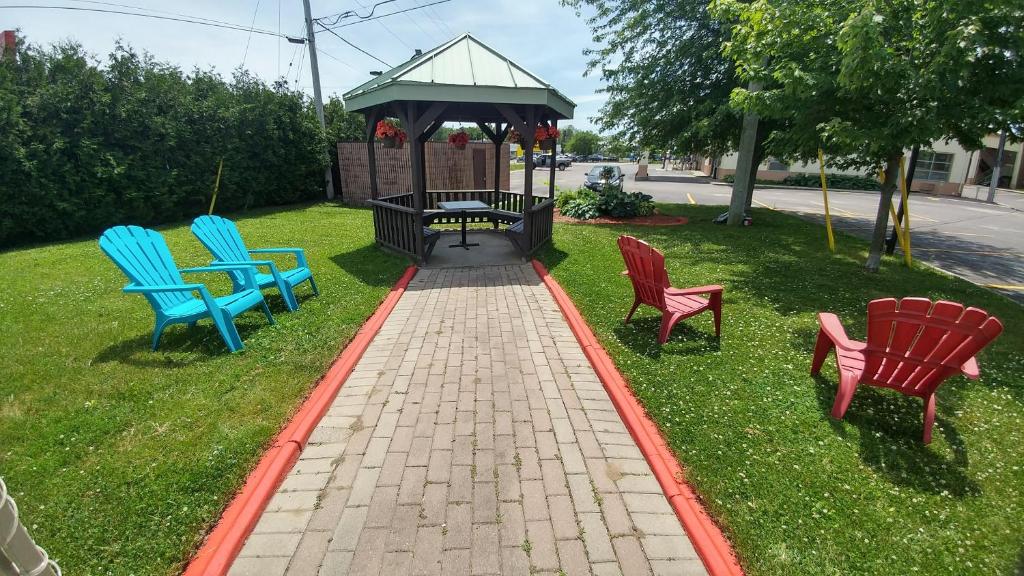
{"points": [[540, 35]]}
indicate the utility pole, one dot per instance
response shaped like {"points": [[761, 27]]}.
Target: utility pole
{"points": [[998, 167], [317, 95]]}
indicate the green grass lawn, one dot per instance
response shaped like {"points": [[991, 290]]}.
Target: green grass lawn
{"points": [[120, 458], [796, 492]]}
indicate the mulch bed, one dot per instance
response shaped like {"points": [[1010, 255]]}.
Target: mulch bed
{"points": [[652, 220]]}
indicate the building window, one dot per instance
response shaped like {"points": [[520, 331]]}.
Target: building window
{"points": [[933, 166], [776, 166]]}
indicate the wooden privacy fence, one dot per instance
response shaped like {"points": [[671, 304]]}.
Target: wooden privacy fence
{"points": [[447, 167]]}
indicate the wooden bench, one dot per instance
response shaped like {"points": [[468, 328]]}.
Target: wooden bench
{"points": [[495, 216], [430, 238], [504, 217], [517, 234]]}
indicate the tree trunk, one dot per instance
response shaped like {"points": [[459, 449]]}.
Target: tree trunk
{"points": [[890, 244], [744, 163], [892, 174], [755, 164]]}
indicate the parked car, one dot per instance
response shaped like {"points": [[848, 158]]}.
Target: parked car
{"points": [[561, 161], [595, 158], [602, 175]]}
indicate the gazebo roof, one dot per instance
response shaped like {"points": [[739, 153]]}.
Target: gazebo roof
{"points": [[463, 71]]}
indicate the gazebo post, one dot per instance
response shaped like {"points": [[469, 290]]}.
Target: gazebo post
{"points": [[499, 139], [531, 125], [554, 161], [497, 136], [372, 118], [408, 114]]}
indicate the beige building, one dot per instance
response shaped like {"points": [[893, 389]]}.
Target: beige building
{"points": [[943, 169]]}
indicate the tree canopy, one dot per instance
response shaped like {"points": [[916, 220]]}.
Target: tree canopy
{"points": [[668, 83], [137, 141], [583, 142], [865, 80]]}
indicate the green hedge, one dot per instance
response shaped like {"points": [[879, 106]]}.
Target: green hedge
{"points": [[837, 181], [84, 147]]}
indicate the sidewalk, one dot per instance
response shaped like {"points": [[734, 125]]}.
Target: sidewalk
{"points": [[472, 438]]}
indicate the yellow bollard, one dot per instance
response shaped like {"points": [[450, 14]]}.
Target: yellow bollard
{"points": [[824, 195], [906, 213], [216, 186]]}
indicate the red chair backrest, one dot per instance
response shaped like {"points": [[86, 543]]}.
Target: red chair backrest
{"points": [[914, 344], [646, 268]]}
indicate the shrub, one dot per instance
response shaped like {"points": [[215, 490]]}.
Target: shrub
{"points": [[614, 202], [806, 180], [566, 196], [584, 204], [581, 204], [135, 141], [838, 181]]}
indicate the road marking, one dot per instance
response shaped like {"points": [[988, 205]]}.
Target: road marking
{"points": [[967, 234], [690, 196], [762, 204], [1004, 287], [983, 253]]}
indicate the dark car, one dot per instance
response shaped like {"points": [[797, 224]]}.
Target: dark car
{"points": [[604, 174], [595, 158]]}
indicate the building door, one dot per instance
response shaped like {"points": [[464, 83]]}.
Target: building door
{"points": [[480, 169]]}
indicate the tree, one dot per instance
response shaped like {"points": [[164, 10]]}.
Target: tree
{"points": [[866, 80], [475, 134], [583, 142], [668, 83], [343, 126], [137, 141]]}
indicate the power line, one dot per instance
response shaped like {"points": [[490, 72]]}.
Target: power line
{"points": [[433, 15], [154, 10], [252, 24], [349, 13], [279, 39], [422, 29], [388, 28], [338, 36], [333, 27], [335, 58], [189, 20]]}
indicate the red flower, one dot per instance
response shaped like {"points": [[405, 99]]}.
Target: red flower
{"points": [[387, 129], [545, 133], [459, 139]]}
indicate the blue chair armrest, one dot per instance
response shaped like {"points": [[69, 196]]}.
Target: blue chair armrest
{"points": [[136, 289], [232, 263], [300, 254], [248, 271]]}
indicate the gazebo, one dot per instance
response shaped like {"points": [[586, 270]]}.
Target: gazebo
{"points": [[462, 80]]}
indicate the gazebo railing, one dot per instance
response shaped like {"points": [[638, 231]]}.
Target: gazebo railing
{"points": [[395, 223], [541, 218], [395, 220]]}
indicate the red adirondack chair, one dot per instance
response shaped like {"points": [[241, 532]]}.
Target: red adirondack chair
{"points": [[912, 346], [645, 267]]}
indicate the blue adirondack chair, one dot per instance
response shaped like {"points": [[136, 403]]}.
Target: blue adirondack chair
{"points": [[221, 238], [143, 256]]}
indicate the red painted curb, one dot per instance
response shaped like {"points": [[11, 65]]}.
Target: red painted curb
{"points": [[218, 552], [707, 538]]}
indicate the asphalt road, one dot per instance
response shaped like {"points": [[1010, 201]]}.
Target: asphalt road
{"points": [[981, 242]]}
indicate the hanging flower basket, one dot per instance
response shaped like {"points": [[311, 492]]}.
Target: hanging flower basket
{"points": [[545, 136], [459, 139], [514, 137], [390, 134]]}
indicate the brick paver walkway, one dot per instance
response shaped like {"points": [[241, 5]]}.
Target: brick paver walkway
{"points": [[472, 438]]}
